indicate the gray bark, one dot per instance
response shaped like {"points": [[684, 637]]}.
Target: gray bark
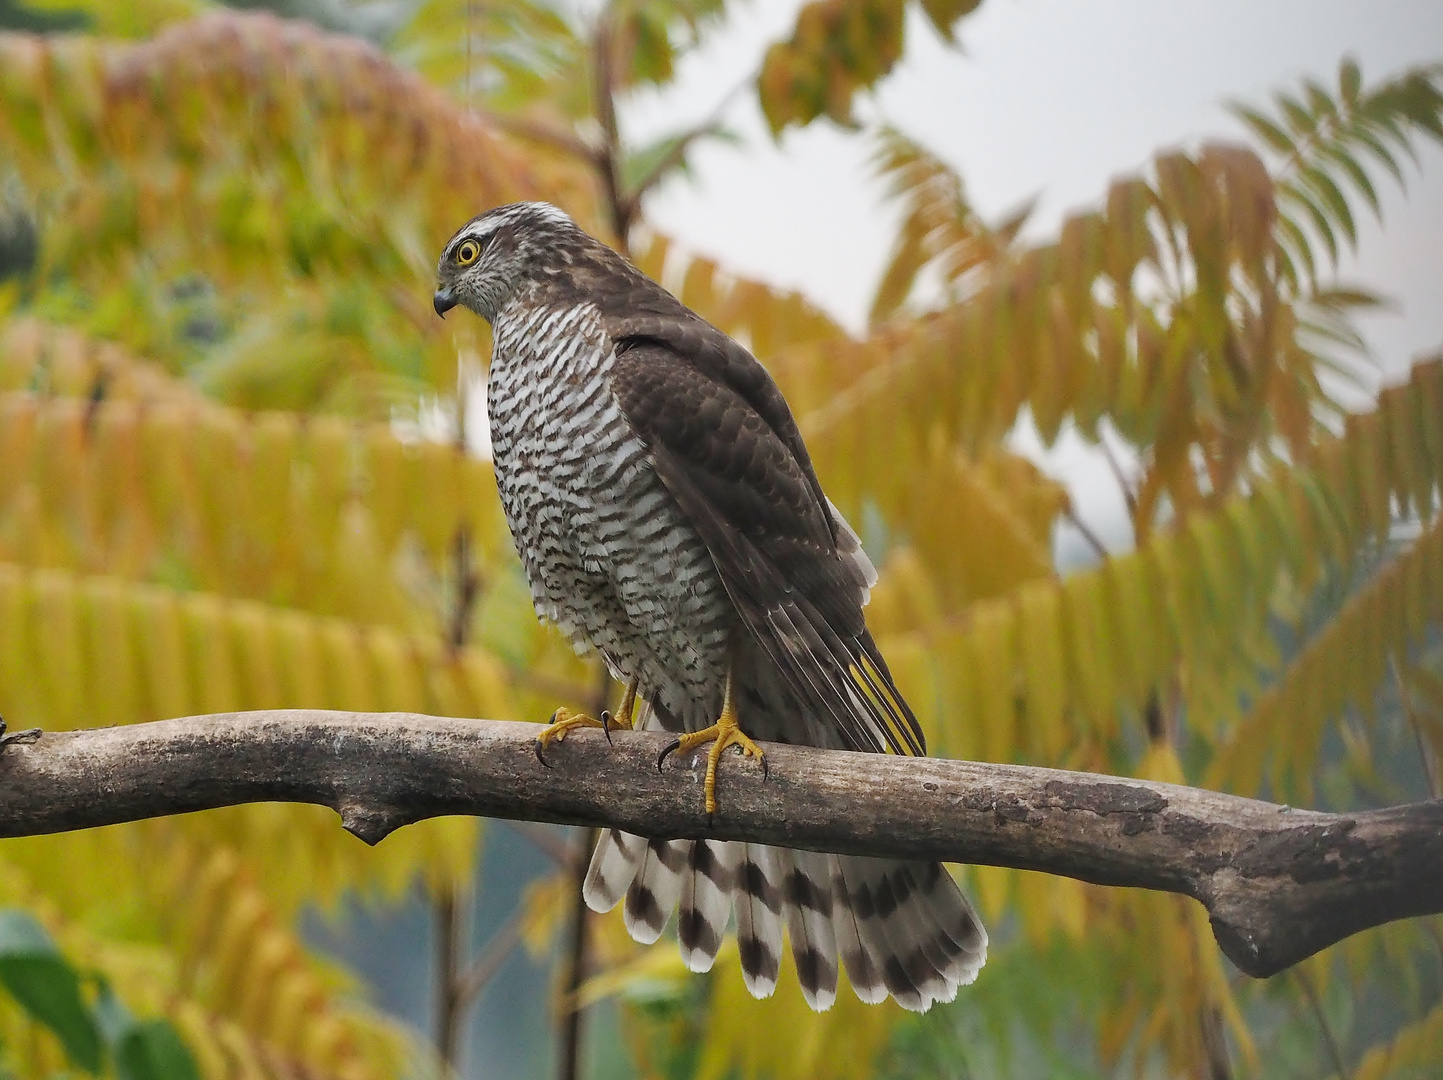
{"points": [[1279, 883]]}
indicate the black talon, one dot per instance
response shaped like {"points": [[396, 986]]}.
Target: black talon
{"points": [[766, 769], [541, 745], [675, 745], [606, 724]]}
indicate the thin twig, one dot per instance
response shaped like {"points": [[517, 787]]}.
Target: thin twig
{"points": [[1087, 534], [1215, 1045], [449, 910], [608, 154], [493, 954], [568, 1051], [683, 143], [1129, 494], [543, 836], [468, 590], [569, 1010], [548, 135], [1425, 751], [1310, 992]]}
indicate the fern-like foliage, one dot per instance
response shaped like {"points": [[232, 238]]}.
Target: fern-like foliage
{"points": [[1325, 140], [206, 506], [939, 227]]}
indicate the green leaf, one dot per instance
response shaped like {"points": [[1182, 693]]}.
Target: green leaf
{"points": [[1350, 80], [153, 1050], [945, 13], [671, 151], [1320, 221], [142, 1050], [1322, 104], [1299, 119], [47, 987], [1321, 184], [1361, 180], [1294, 238], [1368, 138], [1264, 128]]}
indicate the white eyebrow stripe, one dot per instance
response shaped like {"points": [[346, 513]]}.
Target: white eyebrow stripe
{"points": [[493, 221]]}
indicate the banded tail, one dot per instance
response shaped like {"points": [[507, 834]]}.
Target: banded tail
{"points": [[902, 928]]}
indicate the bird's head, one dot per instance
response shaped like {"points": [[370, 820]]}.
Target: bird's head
{"points": [[493, 253]]}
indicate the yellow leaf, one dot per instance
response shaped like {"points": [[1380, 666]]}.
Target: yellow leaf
{"points": [[1090, 648], [992, 635], [211, 663], [431, 484], [1041, 660]]}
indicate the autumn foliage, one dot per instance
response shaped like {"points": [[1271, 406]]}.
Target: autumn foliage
{"points": [[239, 469]]}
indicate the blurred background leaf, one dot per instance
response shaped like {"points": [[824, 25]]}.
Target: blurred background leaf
{"points": [[242, 466]]}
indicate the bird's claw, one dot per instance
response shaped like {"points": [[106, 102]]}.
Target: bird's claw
{"points": [[562, 721], [723, 734]]}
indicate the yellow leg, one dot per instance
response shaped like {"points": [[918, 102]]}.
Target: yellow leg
{"points": [[564, 720], [623, 717], [725, 732]]}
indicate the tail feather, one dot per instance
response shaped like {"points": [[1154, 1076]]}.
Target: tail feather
{"points": [[916, 921], [613, 867], [706, 894], [902, 929], [807, 898], [960, 934], [863, 966], [655, 889], [759, 926]]}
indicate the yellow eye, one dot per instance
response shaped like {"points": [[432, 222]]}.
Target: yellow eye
{"points": [[468, 252]]}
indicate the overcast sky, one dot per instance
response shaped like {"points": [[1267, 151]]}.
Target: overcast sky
{"points": [[1049, 98]]}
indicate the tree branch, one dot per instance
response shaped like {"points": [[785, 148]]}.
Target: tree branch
{"points": [[1279, 883]]}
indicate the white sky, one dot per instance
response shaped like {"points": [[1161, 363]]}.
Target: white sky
{"points": [[1049, 98]]}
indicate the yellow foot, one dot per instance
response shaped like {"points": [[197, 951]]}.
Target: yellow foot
{"points": [[725, 732], [564, 720]]}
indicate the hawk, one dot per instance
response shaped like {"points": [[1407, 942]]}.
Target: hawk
{"points": [[667, 515]]}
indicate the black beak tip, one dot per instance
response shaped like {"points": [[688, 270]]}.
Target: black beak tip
{"points": [[443, 302]]}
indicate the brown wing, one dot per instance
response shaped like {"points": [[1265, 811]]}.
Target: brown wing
{"points": [[770, 531], [642, 311]]}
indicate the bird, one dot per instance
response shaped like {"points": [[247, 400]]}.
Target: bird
{"points": [[668, 517]]}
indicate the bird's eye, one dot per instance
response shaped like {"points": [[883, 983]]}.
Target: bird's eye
{"points": [[468, 252]]}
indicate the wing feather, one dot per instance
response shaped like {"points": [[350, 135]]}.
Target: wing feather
{"points": [[795, 575]]}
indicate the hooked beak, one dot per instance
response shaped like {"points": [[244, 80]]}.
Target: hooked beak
{"points": [[443, 301]]}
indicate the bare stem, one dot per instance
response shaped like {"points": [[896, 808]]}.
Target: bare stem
{"points": [[1315, 1005], [1093, 540], [569, 1010], [449, 907], [1425, 751], [547, 840], [677, 151], [488, 961], [545, 134], [568, 1007], [468, 590], [1129, 492], [608, 154]]}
